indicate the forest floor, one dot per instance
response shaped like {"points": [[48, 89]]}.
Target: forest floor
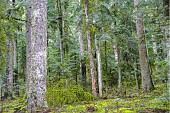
{"points": [[155, 102]]}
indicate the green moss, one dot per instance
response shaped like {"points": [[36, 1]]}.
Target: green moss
{"points": [[76, 108], [77, 100], [66, 92], [9, 106], [124, 110]]}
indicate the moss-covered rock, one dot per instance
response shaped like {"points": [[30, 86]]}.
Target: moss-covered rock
{"points": [[66, 92]]}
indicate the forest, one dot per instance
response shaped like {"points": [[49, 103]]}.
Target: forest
{"points": [[83, 56]]}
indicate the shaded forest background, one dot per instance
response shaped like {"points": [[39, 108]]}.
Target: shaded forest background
{"points": [[96, 49]]}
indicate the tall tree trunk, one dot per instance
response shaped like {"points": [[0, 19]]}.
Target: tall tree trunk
{"points": [[119, 73], [92, 69], [117, 52], [15, 60], [100, 81], [168, 59], [60, 29], [61, 48], [9, 69], [28, 53], [15, 66], [36, 54], [147, 83], [82, 57], [167, 34], [3, 63], [117, 55], [15, 53], [23, 56], [105, 55], [155, 67], [9, 65]]}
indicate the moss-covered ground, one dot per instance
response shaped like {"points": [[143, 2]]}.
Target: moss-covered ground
{"points": [[155, 102]]}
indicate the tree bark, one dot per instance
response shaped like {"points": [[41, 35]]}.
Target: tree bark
{"points": [[60, 29], [155, 67], [147, 83], [100, 81], [15, 66], [36, 54], [82, 57], [28, 54], [61, 48], [9, 69], [15, 53], [167, 34], [168, 59], [117, 52], [93, 77], [105, 55], [9, 65]]}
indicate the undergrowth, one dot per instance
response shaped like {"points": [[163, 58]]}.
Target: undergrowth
{"points": [[154, 102]]}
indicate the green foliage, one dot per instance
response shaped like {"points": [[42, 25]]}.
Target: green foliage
{"points": [[13, 106], [66, 92]]}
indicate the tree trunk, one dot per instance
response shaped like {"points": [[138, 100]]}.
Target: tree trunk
{"points": [[15, 53], [155, 67], [61, 48], [105, 55], [60, 29], [117, 52], [147, 83], [16, 66], [9, 65], [82, 57], [135, 72], [94, 90], [100, 82], [167, 34], [168, 59], [36, 54], [9, 69], [28, 54]]}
